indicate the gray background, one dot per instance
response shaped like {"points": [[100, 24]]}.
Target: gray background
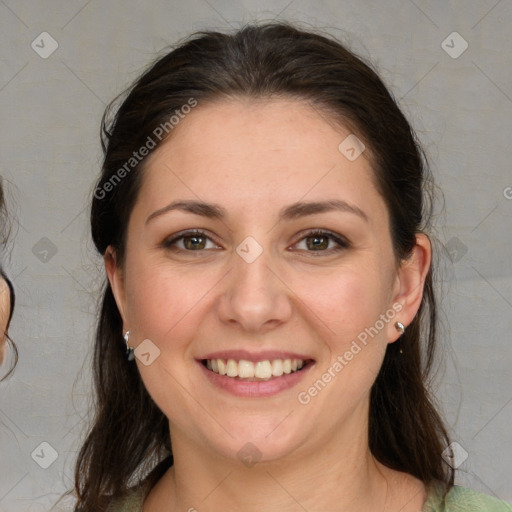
{"points": [[50, 156]]}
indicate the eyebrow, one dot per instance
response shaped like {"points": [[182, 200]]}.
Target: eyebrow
{"points": [[294, 211]]}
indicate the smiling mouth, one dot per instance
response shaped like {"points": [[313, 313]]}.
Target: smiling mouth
{"points": [[255, 371]]}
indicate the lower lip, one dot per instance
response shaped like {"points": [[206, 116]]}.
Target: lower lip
{"points": [[256, 389]]}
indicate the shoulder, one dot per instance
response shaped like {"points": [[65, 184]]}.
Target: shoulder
{"points": [[134, 498], [132, 502], [460, 499]]}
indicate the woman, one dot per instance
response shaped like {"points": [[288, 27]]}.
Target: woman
{"points": [[6, 293], [269, 319]]}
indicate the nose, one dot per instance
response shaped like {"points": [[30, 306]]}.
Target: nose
{"points": [[255, 297]]}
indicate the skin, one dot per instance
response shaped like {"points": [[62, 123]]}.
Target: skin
{"points": [[5, 310], [253, 158]]}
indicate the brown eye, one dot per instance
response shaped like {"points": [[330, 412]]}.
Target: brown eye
{"points": [[317, 242], [322, 241], [192, 241]]}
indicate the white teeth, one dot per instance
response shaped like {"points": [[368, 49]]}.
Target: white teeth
{"points": [[248, 370], [277, 367], [245, 369], [222, 367], [263, 370], [232, 368]]}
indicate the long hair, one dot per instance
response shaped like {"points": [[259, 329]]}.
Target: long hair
{"points": [[129, 436]]}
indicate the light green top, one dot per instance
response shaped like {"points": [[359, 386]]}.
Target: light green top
{"points": [[459, 499]]}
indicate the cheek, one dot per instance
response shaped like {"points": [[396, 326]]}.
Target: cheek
{"points": [[351, 308], [166, 303], [349, 304], [162, 304], [339, 304], [347, 301], [157, 300]]}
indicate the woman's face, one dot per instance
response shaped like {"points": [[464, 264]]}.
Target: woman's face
{"points": [[5, 311], [256, 178]]}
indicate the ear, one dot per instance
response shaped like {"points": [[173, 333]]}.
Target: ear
{"points": [[409, 284], [116, 279]]}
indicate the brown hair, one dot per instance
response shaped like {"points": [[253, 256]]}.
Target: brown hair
{"points": [[129, 435]]}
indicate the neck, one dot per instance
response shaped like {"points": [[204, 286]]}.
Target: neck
{"points": [[340, 475]]}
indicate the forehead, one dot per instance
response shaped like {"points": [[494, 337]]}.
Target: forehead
{"points": [[257, 152], [248, 126]]}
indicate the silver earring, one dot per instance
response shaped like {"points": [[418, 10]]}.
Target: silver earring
{"points": [[129, 350], [400, 327]]}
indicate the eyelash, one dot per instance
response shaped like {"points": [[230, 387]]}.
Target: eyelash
{"points": [[341, 241]]}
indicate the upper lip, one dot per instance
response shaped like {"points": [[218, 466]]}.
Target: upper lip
{"points": [[237, 355]]}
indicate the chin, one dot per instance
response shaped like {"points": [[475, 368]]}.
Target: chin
{"points": [[258, 440]]}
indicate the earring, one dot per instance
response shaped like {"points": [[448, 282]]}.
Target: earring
{"points": [[129, 350], [400, 327]]}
